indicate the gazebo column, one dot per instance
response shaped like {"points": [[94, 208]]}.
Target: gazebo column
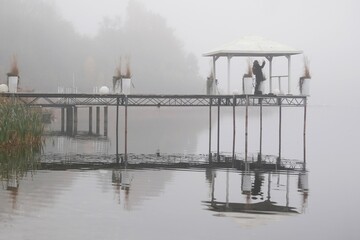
{"points": [[214, 73], [270, 73], [289, 73], [228, 73]]}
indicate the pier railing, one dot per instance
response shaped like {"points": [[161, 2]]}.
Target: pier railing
{"points": [[83, 99]]}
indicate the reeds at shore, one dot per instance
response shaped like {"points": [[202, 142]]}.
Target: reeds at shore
{"points": [[20, 125]]}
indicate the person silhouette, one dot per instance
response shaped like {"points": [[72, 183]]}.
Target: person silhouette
{"points": [[259, 77]]}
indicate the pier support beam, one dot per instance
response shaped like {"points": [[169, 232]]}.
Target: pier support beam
{"points": [[218, 131], [234, 130], [261, 131], [62, 119], [304, 132], [106, 114], [126, 129], [210, 156], [97, 120], [280, 126], [90, 120], [75, 119], [69, 120], [246, 131], [117, 130]]}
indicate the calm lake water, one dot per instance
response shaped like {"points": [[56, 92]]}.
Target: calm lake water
{"points": [[192, 203]]}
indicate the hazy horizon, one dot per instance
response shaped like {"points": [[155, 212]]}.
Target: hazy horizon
{"points": [[326, 32]]}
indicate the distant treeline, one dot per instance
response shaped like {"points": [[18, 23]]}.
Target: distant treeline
{"points": [[50, 53]]}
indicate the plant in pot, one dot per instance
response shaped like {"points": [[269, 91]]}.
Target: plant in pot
{"points": [[117, 86], [13, 76], [126, 79], [304, 81], [247, 83]]}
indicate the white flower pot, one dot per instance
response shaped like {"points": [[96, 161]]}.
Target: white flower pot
{"points": [[13, 83], [126, 85], [248, 85], [305, 87]]}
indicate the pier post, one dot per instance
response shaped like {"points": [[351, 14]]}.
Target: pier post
{"points": [[210, 156], [106, 121], [117, 130], [234, 130], [218, 131], [246, 130], [304, 133], [69, 120], [287, 188], [75, 119], [97, 120], [90, 120], [261, 131], [62, 119], [280, 121], [126, 128]]}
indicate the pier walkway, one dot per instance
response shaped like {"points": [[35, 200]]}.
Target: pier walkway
{"points": [[135, 100], [71, 101]]}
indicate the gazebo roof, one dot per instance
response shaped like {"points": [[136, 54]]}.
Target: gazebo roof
{"points": [[252, 46]]}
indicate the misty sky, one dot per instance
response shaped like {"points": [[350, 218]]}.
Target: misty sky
{"points": [[326, 30]]}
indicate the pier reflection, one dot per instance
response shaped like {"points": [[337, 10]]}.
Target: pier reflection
{"points": [[15, 165], [255, 197], [133, 187]]}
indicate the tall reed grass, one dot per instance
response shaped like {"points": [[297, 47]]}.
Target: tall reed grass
{"points": [[16, 163], [20, 125]]}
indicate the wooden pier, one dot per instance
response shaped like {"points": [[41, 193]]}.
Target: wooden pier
{"points": [[71, 101]]}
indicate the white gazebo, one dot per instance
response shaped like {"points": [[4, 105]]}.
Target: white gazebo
{"points": [[254, 47]]}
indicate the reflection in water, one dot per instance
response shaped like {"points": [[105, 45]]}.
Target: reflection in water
{"points": [[121, 180], [14, 165], [303, 186], [250, 207]]}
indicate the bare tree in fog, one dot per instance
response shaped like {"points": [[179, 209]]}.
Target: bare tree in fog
{"points": [[46, 46], [51, 53]]}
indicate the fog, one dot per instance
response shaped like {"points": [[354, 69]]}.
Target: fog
{"points": [[67, 41]]}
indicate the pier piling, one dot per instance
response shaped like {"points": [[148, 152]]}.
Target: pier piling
{"points": [[280, 129], [75, 119], [90, 120], [234, 130], [246, 129], [117, 130], [210, 156], [126, 128], [218, 131], [97, 120], [304, 133], [69, 120], [261, 131], [106, 114], [62, 119]]}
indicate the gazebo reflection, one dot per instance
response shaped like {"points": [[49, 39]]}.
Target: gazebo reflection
{"points": [[262, 195]]}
